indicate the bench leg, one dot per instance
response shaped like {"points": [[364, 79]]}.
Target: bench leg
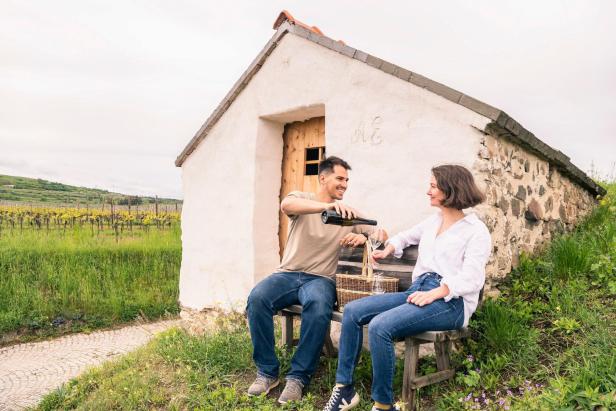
{"points": [[411, 356], [287, 331], [442, 350], [328, 345]]}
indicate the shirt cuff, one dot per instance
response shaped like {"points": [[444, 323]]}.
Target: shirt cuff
{"points": [[451, 294], [397, 246]]}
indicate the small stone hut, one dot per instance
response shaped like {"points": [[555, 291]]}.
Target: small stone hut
{"points": [[305, 96]]}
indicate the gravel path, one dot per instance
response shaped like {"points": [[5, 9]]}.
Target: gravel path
{"points": [[29, 371]]}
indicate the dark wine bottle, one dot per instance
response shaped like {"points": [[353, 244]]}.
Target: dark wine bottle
{"points": [[332, 217]]}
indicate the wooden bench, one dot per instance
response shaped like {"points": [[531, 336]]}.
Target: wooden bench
{"points": [[350, 262]]}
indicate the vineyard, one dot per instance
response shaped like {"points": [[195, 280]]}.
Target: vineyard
{"points": [[69, 269], [96, 220]]}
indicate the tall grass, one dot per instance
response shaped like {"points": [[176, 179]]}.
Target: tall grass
{"points": [[569, 257], [51, 281]]}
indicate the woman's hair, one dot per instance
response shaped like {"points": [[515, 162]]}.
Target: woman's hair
{"points": [[458, 185]]}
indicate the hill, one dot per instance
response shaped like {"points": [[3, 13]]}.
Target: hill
{"points": [[36, 190]]}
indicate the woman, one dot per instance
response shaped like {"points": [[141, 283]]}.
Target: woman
{"points": [[454, 248]]}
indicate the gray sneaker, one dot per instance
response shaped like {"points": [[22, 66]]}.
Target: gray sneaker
{"points": [[262, 385], [292, 391]]}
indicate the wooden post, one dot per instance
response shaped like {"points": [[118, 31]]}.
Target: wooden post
{"points": [[156, 205], [411, 356], [328, 346], [287, 331], [442, 350]]}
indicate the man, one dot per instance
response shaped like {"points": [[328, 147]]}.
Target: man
{"points": [[305, 277]]}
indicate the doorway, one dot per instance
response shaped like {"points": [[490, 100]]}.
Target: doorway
{"points": [[303, 149]]}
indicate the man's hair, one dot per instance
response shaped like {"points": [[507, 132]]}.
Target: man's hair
{"points": [[326, 166], [458, 185]]}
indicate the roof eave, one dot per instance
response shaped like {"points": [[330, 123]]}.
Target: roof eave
{"points": [[507, 127]]}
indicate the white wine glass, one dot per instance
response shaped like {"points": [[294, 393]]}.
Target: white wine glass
{"points": [[377, 285], [375, 243]]}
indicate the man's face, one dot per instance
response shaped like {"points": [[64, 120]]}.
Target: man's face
{"points": [[335, 183]]}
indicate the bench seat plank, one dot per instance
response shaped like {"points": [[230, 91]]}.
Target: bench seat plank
{"points": [[429, 336]]}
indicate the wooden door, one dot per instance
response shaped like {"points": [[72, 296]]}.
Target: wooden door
{"points": [[303, 149]]}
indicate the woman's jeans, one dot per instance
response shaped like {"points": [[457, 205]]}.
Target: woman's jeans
{"points": [[317, 296], [390, 317]]}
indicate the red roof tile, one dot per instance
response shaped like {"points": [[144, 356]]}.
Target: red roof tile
{"points": [[286, 16]]}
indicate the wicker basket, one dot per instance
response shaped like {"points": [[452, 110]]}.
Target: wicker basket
{"points": [[351, 287]]}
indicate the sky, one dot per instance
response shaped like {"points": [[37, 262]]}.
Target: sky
{"points": [[106, 94]]}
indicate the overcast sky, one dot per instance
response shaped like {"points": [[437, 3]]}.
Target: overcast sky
{"points": [[107, 93]]}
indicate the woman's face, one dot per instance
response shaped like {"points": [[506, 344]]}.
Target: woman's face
{"points": [[435, 194]]}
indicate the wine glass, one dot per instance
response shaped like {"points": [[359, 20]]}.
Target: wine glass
{"points": [[377, 285], [374, 244]]}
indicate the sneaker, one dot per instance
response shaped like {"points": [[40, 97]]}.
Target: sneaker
{"points": [[292, 391], [343, 398], [262, 385], [392, 408]]}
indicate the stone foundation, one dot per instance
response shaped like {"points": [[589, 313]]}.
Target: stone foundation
{"points": [[528, 201], [199, 322]]}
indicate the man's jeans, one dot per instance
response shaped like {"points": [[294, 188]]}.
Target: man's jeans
{"points": [[317, 296], [390, 317]]}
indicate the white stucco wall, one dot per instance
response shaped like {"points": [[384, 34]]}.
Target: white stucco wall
{"points": [[390, 131]]}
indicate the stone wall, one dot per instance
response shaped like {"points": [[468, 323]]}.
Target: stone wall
{"points": [[528, 201]]}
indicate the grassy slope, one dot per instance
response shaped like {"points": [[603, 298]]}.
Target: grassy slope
{"points": [[53, 282], [38, 190], [548, 342]]}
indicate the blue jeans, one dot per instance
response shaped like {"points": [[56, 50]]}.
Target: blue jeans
{"points": [[317, 296], [391, 318]]}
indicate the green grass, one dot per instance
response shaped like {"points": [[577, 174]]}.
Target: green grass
{"points": [[55, 282], [177, 371], [547, 343]]}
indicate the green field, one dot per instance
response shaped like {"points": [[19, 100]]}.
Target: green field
{"points": [[547, 343], [70, 280]]}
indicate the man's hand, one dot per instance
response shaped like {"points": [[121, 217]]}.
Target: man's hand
{"points": [[421, 298], [353, 240], [344, 210]]}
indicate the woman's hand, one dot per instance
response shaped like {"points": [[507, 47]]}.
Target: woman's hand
{"points": [[379, 235], [380, 254], [421, 298]]}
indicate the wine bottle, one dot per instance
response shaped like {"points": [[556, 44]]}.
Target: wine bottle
{"points": [[332, 217]]}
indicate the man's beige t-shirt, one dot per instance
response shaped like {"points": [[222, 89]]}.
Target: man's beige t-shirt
{"points": [[314, 247]]}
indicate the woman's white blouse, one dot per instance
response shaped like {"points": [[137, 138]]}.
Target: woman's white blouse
{"points": [[459, 255]]}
